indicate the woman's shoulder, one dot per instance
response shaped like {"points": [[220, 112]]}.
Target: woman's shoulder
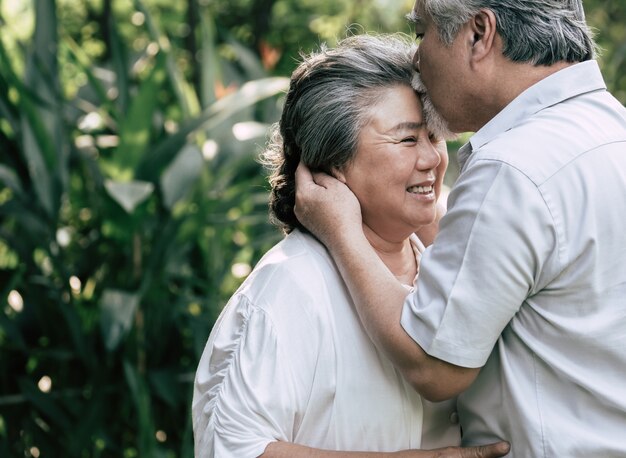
{"points": [[298, 265], [295, 283], [297, 249]]}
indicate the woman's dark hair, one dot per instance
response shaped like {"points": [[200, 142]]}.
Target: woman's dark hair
{"points": [[327, 104]]}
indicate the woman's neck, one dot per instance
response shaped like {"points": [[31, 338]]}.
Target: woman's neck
{"points": [[398, 256]]}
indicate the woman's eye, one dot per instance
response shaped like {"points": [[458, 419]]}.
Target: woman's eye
{"points": [[409, 140]]}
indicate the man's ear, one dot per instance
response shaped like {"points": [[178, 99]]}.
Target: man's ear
{"points": [[483, 28]]}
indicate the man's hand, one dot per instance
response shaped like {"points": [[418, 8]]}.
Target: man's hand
{"points": [[326, 206], [483, 451]]}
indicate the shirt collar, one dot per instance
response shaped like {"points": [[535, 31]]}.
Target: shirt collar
{"points": [[570, 82]]}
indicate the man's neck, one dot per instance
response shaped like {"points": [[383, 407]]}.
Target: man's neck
{"points": [[508, 83]]}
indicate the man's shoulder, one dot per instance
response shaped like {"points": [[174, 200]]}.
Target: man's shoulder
{"points": [[545, 143]]}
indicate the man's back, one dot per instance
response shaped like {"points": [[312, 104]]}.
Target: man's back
{"points": [[554, 384]]}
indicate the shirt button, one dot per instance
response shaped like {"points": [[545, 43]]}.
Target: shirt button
{"points": [[454, 418]]}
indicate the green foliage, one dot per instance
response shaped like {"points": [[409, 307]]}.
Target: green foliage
{"points": [[278, 30], [127, 198], [607, 18]]}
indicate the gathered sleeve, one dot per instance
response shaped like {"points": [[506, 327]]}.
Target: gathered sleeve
{"points": [[244, 395]]}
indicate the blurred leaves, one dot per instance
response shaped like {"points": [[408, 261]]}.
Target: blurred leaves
{"points": [[180, 176], [118, 310], [119, 176], [129, 194]]}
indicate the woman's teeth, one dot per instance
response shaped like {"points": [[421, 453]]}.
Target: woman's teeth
{"points": [[420, 189]]}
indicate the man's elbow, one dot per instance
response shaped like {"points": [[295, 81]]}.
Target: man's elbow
{"points": [[440, 383], [433, 391]]}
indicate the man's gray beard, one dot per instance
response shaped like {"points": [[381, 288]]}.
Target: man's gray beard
{"points": [[435, 122]]}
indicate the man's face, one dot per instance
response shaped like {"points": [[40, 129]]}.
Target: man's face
{"points": [[440, 66]]}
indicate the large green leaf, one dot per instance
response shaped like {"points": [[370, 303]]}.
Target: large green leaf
{"points": [[180, 176], [44, 145], [210, 72], [141, 395], [186, 97], [136, 126], [84, 62], [36, 142], [165, 385], [76, 333], [119, 58], [249, 60], [10, 179], [249, 94], [33, 139], [129, 194], [118, 310]]}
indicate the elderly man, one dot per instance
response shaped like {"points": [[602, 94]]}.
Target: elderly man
{"points": [[521, 300]]}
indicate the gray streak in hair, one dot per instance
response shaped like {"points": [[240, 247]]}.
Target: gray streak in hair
{"points": [[327, 104]]}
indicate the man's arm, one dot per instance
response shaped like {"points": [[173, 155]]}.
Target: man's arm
{"points": [[330, 210], [288, 450], [428, 233]]}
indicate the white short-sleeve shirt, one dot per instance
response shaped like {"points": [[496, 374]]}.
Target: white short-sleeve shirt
{"points": [[289, 360], [528, 273]]}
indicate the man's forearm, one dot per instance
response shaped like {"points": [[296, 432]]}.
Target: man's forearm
{"points": [[332, 213], [379, 298], [289, 450], [428, 233]]}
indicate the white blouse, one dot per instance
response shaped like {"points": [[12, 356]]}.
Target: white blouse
{"points": [[289, 360]]}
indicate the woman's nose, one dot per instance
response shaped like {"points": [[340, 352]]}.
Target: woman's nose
{"points": [[429, 158]]}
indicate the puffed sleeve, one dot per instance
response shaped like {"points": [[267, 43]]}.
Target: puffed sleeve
{"points": [[243, 394]]}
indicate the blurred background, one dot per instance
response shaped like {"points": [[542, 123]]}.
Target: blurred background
{"points": [[132, 204]]}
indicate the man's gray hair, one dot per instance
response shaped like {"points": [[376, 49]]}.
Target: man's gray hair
{"points": [[541, 32], [328, 102]]}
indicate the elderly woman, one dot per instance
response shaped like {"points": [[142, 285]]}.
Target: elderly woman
{"points": [[288, 363]]}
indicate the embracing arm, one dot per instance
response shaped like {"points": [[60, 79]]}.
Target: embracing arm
{"points": [[288, 450], [328, 208], [427, 233]]}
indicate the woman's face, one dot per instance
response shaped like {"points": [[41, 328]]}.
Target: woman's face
{"points": [[398, 168]]}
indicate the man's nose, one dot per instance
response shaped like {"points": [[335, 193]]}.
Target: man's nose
{"points": [[416, 60]]}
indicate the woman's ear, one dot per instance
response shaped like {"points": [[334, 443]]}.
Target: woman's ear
{"points": [[337, 173]]}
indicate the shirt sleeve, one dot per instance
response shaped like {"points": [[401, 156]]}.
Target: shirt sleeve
{"points": [[492, 246], [243, 393]]}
